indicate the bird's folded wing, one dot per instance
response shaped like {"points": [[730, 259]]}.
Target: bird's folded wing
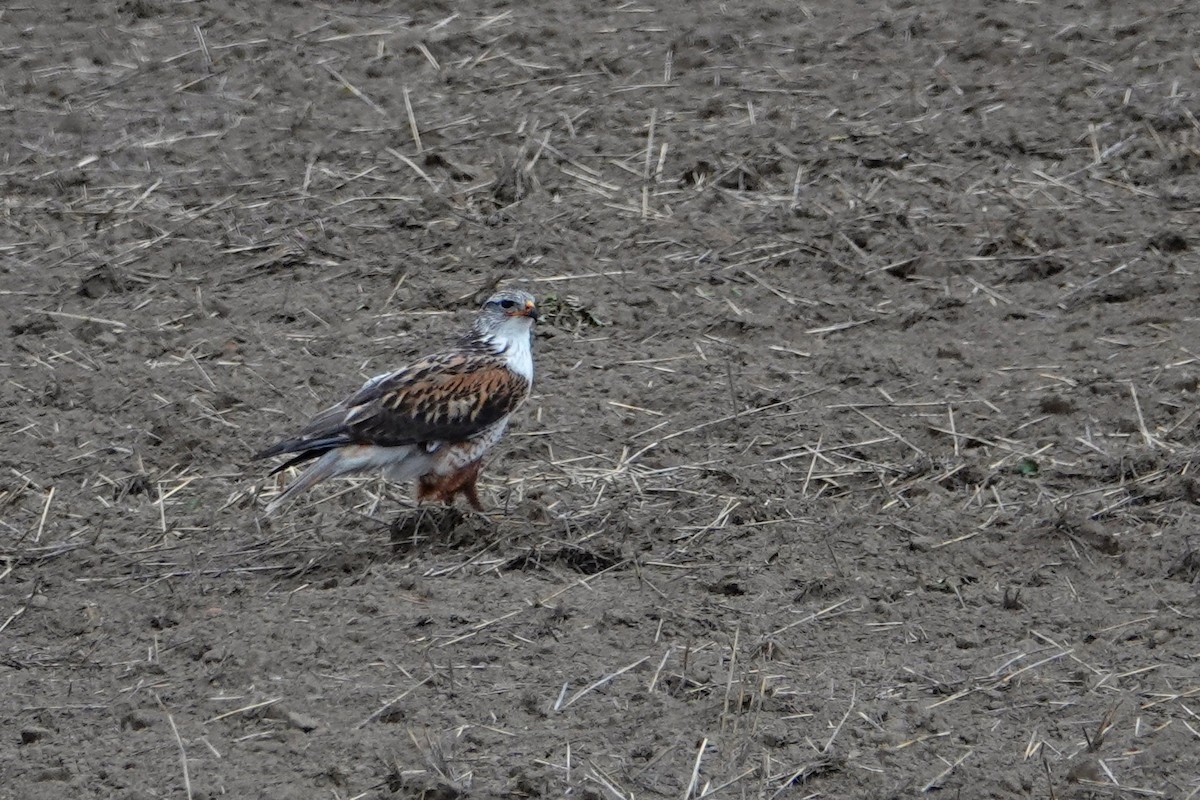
{"points": [[445, 399], [442, 398]]}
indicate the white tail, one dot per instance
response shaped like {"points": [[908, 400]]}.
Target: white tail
{"points": [[403, 463], [326, 466]]}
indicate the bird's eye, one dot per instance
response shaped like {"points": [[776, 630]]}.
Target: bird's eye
{"points": [[508, 304]]}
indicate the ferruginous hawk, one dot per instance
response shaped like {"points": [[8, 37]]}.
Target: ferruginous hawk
{"points": [[432, 421]]}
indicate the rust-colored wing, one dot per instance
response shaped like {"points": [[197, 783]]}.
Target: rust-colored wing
{"points": [[446, 398], [443, 400]]}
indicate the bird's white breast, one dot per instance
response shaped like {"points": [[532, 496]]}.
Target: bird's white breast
{"points": [[513, 339], [519, 357]]}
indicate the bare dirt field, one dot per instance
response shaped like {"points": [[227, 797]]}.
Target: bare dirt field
{"points": [[862, 463]]}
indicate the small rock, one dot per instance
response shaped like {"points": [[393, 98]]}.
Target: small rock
{"points": [[920, 543], [300, 720], [137, 720], [59, 773], [1056, 404], [1085, 769], [1159, 637], [34, 733], [213, 655]]}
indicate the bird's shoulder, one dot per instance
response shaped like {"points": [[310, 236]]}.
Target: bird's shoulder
{"points": [[440, 373]]}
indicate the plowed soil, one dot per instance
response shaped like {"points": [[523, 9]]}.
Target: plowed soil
{"points": [[862, 460]]}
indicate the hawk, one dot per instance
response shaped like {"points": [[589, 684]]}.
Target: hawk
{"points": [[432, 421]]}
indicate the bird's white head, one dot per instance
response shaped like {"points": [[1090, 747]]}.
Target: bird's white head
{"points": [[506, 323], [506, 315]]}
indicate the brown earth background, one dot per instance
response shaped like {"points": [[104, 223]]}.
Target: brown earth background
{"points": [[863, 457]]}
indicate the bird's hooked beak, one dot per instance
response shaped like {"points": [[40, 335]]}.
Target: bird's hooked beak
{"points": [[529, 310]]}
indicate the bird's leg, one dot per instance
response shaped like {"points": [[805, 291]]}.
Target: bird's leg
{"points": [[447, 487], [467, 488], [427, 487]]}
